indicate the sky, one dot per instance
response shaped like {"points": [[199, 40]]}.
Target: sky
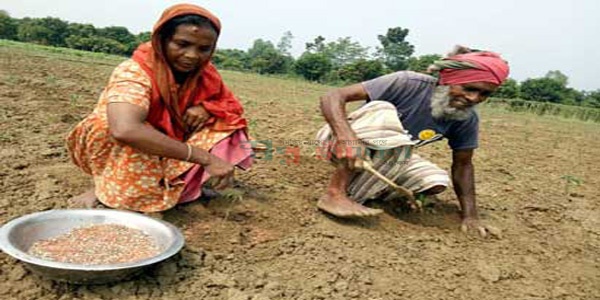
{"points": [[534, 36]]}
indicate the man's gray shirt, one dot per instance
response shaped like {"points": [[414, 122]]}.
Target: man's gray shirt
{"points": [[411, 94]]}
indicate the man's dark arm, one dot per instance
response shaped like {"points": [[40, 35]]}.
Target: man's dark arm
{"points": [[463, 179], [333, 107]]}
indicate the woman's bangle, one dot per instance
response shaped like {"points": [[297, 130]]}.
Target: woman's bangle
{"points": [[189, 155]]}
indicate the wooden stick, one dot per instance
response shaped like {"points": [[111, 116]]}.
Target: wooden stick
{"points": [[367, 166]]}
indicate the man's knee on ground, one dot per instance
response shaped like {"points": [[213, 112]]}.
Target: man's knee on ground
{"points": [[434, 190]]}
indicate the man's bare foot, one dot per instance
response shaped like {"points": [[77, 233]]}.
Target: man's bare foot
{"points": [[85, 200], [343, 207]]}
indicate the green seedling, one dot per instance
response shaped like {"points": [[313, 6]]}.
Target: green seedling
{"points": [[570, 181]]}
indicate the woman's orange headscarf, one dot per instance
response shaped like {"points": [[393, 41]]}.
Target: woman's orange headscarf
{"points": [[204, 86]]}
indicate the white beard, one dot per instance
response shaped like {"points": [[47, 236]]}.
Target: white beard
{"points": [[441, 109]]}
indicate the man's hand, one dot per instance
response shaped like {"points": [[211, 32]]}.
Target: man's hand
{"points": [[464, 185], [349, 151], [348, 147], [469, 225], [195, 117], [221, 170]]}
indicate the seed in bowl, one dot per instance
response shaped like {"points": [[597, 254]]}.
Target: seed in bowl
{"points": [[97, 245]]}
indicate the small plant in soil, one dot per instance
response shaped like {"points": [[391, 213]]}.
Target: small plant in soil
{"points": [[570, 182]]}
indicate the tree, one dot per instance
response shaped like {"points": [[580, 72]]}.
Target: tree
{"points": [[32, 32], [558, 76], [260, 48], [121, 35], [117, 33], [344, 51], [421, 63], [231, 59], [508, 90], [394, 50], [313, 66], [82, 30], [551, 88], [8, 26], [592, 99], [45, 31], [96, 44], [317, 46], [542, 89], [265, 59], [341, 52], [361, 70], [285, 43], [143, 37], [572, 96], [77, 32], [58, 28]]}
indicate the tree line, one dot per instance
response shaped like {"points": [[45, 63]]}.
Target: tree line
{"points": [[339, 61], [58, 33]]}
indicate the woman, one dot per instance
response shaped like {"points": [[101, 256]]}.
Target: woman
{"points": [[165, 123]]}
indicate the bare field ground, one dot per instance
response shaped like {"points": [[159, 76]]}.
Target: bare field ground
{"points": [[268, 241]]}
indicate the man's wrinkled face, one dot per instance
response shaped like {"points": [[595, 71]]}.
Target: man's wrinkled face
{"points": [[455, 102], [190, 47], [469, 94]]}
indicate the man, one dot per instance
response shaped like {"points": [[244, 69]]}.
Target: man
{"points": [[428, 110]]}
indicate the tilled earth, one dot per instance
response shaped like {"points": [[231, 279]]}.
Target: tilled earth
{"points": [[537, 180]]}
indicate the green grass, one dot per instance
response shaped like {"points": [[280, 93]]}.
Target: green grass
{"points": [[49, 51], [546, 109]]}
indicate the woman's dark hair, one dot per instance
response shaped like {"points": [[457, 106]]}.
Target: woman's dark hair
{"points": [[167, 30]]}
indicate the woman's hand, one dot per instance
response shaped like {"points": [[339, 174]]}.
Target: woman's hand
{"points": [[195, 117], [221, 170]]}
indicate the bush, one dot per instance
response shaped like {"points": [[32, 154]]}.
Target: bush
{"points": [[96, 44], [313, 66], [361, 70], [231, 59], [8, 27]]}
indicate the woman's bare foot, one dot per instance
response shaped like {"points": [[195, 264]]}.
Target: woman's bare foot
{"points": [[343, 207], [155, 215], [85, 200]]}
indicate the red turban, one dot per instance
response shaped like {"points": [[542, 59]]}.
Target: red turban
{"points": [[487, 67]]}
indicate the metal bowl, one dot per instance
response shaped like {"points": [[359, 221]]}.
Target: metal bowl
{"points": [[18, 235]]}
